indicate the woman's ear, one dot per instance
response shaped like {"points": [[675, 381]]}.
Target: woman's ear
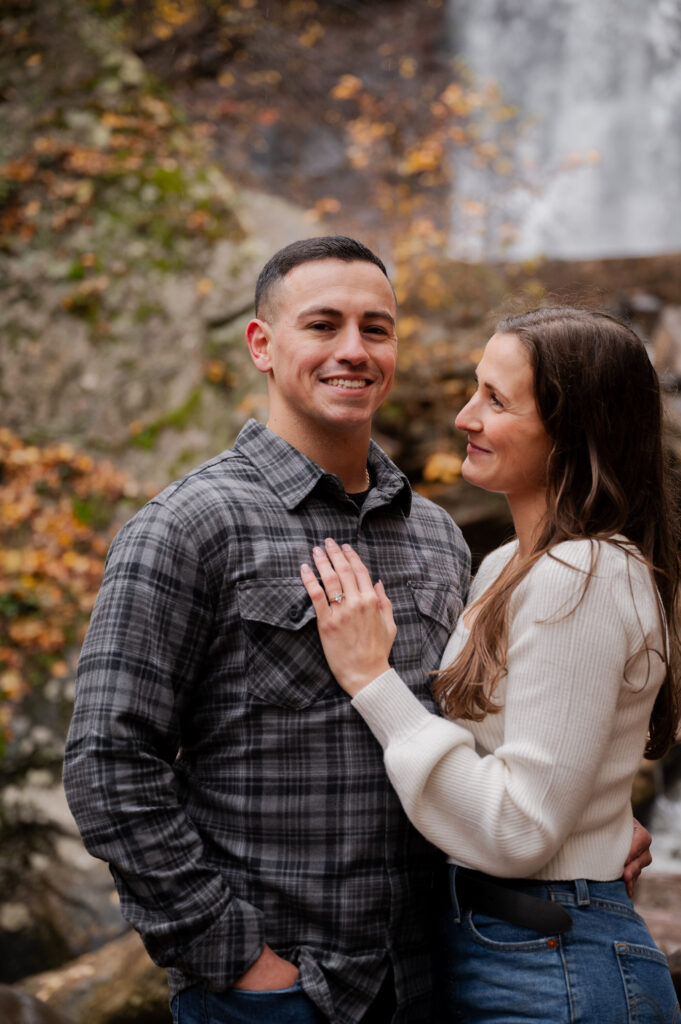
{"points": [[258, 336]]}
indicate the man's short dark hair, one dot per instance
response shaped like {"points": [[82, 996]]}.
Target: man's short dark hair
{"points": [[326, 247]]}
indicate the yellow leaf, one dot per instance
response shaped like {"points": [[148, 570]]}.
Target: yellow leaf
{"points": [[214, 370], [409, 325], [161, 30], [12, 685], [312, 34], [252, 403], [408, 67], [347, 87], [442, 467], [474, 208]]}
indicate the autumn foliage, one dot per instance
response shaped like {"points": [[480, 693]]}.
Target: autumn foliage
{"points": [[110, 177], [56, 511]]}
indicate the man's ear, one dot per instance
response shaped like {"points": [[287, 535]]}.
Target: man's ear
{"points": [[258, 334]]}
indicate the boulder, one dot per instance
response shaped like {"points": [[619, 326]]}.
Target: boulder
{"points": [[658, 901], [22, 1008], [117, 984], [56, 901]]}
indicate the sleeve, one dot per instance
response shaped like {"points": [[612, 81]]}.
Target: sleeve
{"points": [[509, 812], [140, 660]]}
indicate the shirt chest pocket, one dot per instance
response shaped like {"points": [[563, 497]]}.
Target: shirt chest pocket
{"points": [[285, 662], [430, 619]]}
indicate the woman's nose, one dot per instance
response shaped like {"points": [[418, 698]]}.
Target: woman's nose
{"points": [[468, 418]]}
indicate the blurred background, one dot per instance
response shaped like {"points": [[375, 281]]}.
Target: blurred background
{"points": [[153, 154]]}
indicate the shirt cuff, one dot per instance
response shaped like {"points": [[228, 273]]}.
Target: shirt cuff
{"points": [[390, 709]]}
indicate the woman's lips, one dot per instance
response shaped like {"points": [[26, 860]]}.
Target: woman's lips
{"points": [[474, 449]]}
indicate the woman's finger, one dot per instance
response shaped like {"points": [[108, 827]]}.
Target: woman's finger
{"points": [[329, 577], [361, 573], [314, 589], [383, 599], [386, 609], [344, 569], [352, 574]]}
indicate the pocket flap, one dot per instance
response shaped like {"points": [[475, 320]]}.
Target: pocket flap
{"points": [[437, 601], [277, 602]]}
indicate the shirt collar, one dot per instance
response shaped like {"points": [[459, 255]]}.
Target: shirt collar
{"points": [[292, 476]]}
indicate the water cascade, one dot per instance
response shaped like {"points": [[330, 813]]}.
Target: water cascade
{"points": [[600, 167]]}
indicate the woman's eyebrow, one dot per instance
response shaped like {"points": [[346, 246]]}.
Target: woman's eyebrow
{"points": [[491, 386]]}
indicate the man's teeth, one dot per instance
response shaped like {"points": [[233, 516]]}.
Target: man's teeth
{"points": [[341, 383]]}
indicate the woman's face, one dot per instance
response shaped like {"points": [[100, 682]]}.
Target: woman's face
{"points": [[508, 447]]}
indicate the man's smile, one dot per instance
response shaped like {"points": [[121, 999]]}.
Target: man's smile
{"points": [[348, 383]]}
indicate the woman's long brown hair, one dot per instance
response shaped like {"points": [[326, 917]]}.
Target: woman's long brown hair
{"points": [[599, 399]]}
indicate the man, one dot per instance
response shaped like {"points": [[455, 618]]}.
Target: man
{"points": [[242, 804]]}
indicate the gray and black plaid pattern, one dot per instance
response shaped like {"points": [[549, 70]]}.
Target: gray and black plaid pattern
{"points": [[213, 760]]}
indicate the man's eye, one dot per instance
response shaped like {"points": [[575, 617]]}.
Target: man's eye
{"points": [[320, 326]]}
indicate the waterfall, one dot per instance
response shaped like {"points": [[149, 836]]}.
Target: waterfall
{"points": [[602, 161]]}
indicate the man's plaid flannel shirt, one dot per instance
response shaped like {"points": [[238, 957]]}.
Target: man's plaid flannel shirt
{"points": [[212, 758]]}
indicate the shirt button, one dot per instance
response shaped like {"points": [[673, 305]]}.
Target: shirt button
{"points": [[295, 613]]}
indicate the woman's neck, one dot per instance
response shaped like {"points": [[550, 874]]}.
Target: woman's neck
{"points": [[528, 512]]}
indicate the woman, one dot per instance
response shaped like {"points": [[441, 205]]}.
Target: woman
{"points": [[563, 667]]}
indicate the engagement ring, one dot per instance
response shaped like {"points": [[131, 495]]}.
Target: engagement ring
{"points": [[338, 597]]}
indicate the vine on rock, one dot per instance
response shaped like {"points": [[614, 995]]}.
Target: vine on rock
{"points": [[57, 507]]}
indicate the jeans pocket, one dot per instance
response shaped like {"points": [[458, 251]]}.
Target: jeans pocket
{"points": [[187, 1006], [498, 935], [648, 986], [269, 1006], [264, 993]]}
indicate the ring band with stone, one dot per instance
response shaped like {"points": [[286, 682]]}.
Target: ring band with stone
{"points": [[338, 597]]}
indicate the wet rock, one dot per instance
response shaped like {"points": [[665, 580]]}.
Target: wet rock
{"points": [[56, 902], [658, 901], [666, 344], [117, 984], [22, 1008]]}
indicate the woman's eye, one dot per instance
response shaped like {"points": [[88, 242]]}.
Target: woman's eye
{"points": [[495, 401]]}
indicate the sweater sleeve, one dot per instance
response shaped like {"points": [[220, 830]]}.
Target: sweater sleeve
{"points": [[508, 813]]}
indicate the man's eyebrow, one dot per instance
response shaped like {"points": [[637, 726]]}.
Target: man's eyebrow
{"points": [[318, 311], [368, 314], [379, 314]]}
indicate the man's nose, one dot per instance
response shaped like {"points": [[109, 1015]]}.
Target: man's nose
{"points": [[350, 346]]}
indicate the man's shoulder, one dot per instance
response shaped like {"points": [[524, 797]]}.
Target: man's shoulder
{"points": [[209, 492], [226, 471], [427, 511]]}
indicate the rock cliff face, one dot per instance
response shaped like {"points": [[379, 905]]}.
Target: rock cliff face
{"points": [[128, 264], [130, 258]]}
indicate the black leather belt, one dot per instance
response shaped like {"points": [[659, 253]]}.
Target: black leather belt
{"points": [[497, 897]]}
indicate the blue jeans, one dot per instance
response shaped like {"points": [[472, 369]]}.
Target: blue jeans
{"points": [[198, 1005], [605, 970]]}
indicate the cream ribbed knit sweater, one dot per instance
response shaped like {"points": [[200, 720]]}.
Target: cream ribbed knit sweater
{"points": [[543, 788]]}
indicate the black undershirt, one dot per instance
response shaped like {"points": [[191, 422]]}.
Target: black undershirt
{"points": [[359, 498]]}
